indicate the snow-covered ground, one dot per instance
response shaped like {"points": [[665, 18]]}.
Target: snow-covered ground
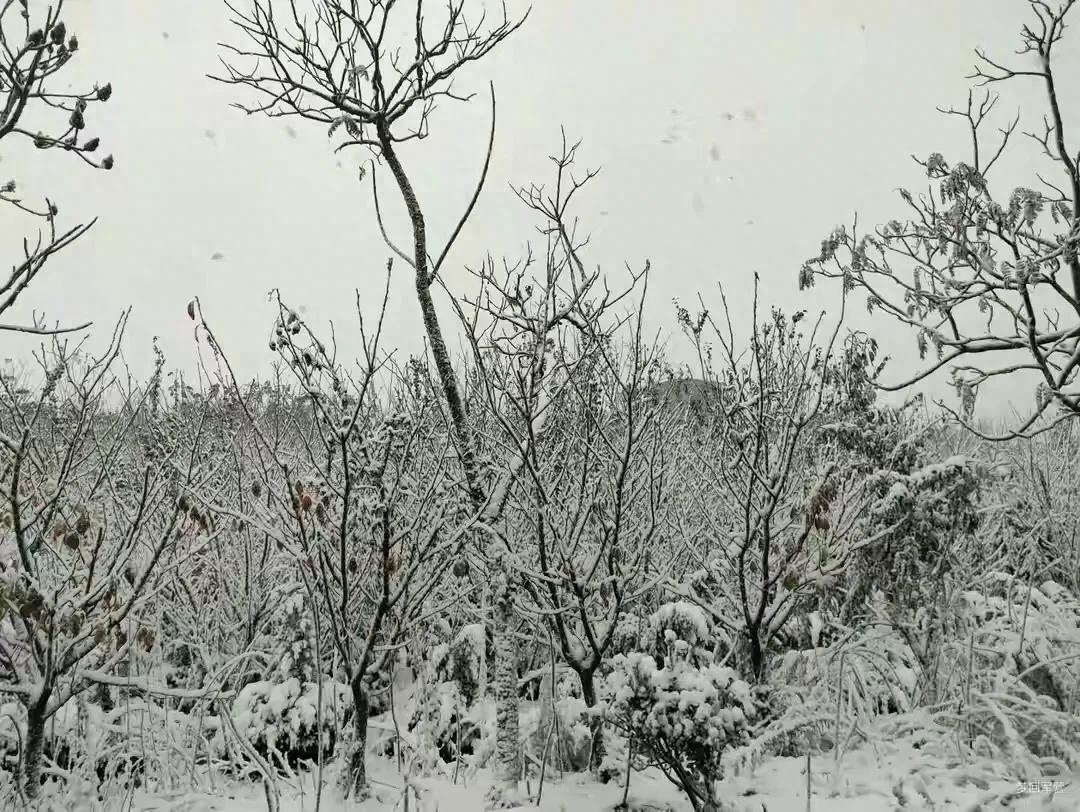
{"points": [[888, 776]]}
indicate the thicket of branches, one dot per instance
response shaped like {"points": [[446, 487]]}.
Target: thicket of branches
{"points": [[556, 552]]}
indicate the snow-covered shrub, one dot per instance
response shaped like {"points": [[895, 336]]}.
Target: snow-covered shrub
{"points": [[278, 714], [1016, 686], [455, 730], [297, 657], [866, 673], [450, 717], [461, 660], [445, 723], [917, 529], [558, 728], [681, 716], [280, 719], [919, 514], [628, 631], [871, 670], [1032, 631]]}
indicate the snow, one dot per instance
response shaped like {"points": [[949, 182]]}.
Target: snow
{"points": [[685, 620], [870, 779]]}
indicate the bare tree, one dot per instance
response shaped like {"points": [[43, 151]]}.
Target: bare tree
{"points": [[363, 502], [35, 49], [345, 67], [223, 606], [580, 489], [378, 73], [90, 526], [758, 512], [991, 288]]}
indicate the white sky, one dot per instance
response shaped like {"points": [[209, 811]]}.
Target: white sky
{"points": [[784, 119]]}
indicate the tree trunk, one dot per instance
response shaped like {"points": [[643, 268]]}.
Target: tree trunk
{"points": [[34, 748], [507, 746], [757, 654], [103, 697], [588, 693], [508, 757], [355, 778], [436, 342]]}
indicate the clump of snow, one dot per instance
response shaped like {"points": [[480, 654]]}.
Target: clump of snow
{"points": [[684, 621]]}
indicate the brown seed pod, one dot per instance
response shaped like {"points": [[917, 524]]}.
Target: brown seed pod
{"points": [[306, 502], [71, 541], [145, 638], [83, 523], [32, 606], [461, 567], [393, 563]]}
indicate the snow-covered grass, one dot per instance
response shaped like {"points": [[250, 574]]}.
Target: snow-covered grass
{"points": [[890, 775]]}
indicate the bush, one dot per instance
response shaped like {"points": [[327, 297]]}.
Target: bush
{"points": [[681, 716], [280, 719]]}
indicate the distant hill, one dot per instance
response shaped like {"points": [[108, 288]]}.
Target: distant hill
{"points": [[696, 399], [692, 392]]}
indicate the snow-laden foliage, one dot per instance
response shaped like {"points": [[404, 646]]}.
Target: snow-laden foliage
{"points": [[680, 620], [297, 652], [869, 672], [681, 713], [1017, 690], [681, 716], [281, 719]]}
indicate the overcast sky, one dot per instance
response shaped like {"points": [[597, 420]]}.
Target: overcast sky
{"points": [[733, 135]]}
